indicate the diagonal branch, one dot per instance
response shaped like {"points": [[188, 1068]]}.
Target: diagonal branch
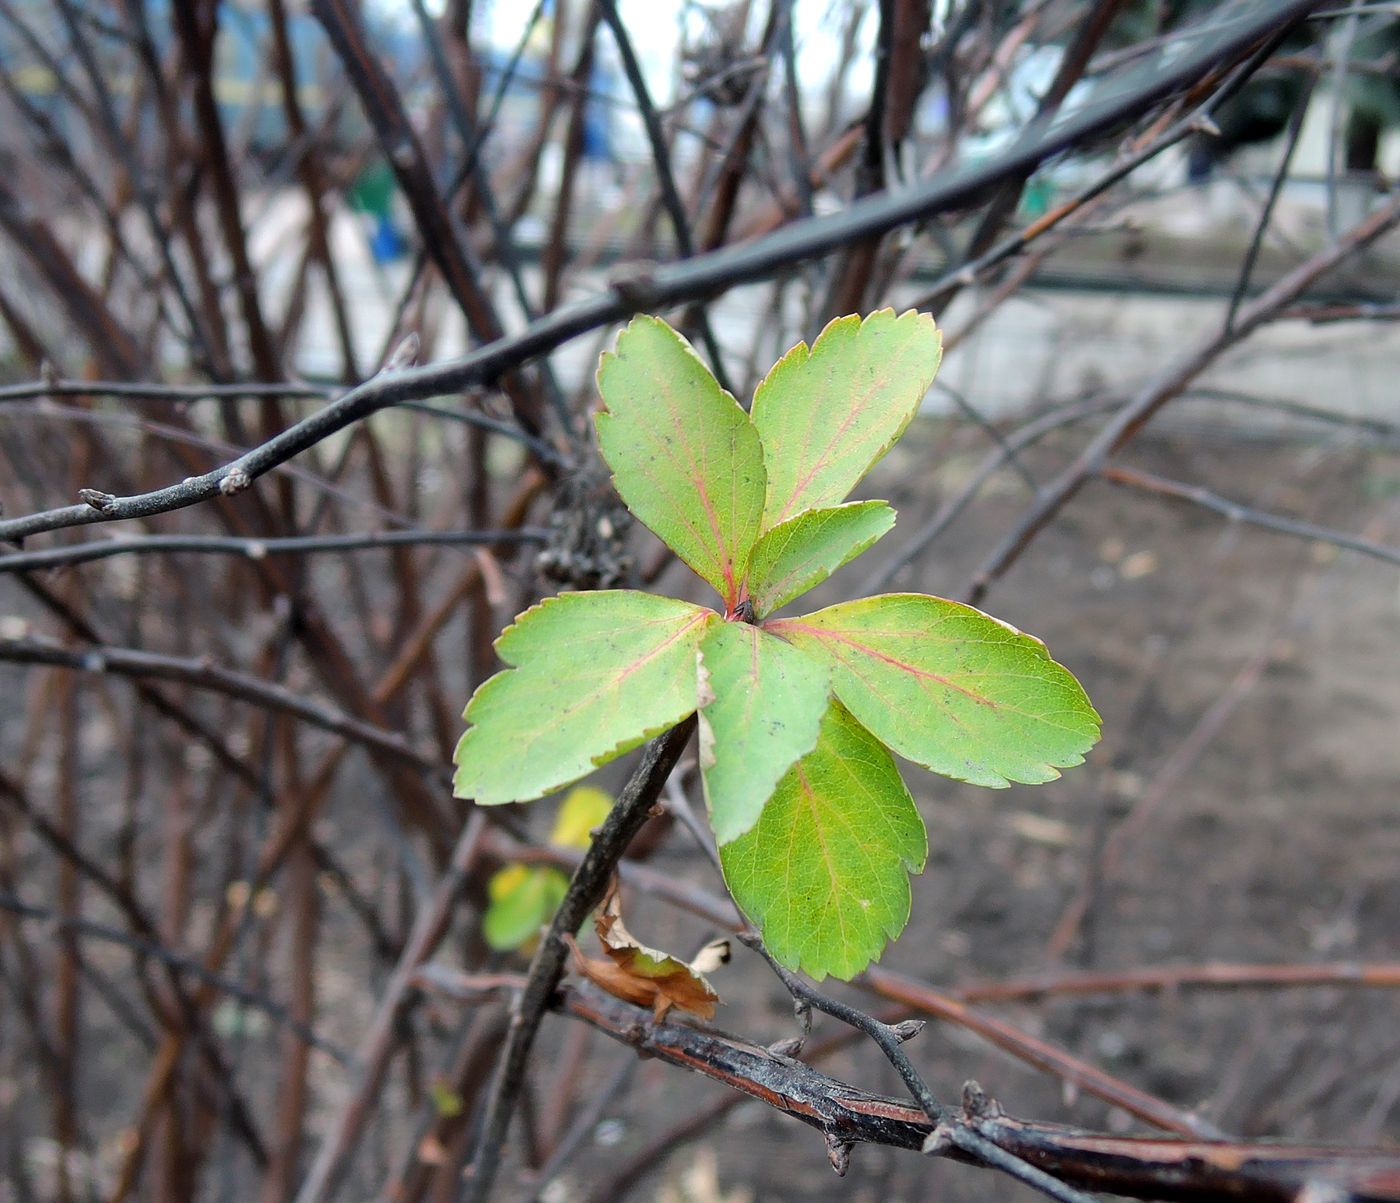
{"points": [[1140, 1167], [590, 880], [704, 276], [1236, 512], [1168, 385]]}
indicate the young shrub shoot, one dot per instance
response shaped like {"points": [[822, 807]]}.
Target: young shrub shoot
{"points": [[800, 717]]}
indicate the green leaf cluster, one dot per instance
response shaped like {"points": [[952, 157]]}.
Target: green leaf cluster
{"points": [[799, 717]]}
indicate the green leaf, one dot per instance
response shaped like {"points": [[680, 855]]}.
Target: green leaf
{"points": [[800, 553], [685, 457], [446, 1101], [595, 675], [824, 872], [581, 812], [951, 688], [827, 415], [522, 899], [767, 701]]}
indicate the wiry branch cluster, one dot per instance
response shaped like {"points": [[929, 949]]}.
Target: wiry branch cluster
{"points": [[241, 947]]}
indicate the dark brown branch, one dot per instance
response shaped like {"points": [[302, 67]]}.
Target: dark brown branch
{"points": [[1209, 975], [949, 1006], [133, 662], [384, 108], [1138, 1167], [256, 549], [697, 278], [379, 1040], [586, 889], [140, 946], [1044, 1056]]}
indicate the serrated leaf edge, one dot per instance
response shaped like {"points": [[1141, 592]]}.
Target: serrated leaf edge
{"points": [[803, 351], [1037, 645], [704, 615]]}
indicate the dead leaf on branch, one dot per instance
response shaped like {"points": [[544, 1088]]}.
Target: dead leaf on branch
{"points": [[646, 976]]}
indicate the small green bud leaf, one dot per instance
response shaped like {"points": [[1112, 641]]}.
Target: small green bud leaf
{"points": [[581, 813], [522, 899], [800, 553]]}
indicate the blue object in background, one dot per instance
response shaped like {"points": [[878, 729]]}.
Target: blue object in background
{"points": [[386, 244]]}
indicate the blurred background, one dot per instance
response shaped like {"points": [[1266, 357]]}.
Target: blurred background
{"points": [[1165, 439]]}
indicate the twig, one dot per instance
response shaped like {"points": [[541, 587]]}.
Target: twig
{"points": [[133, 662], [888, 1038], [1210, 975], [702, 276], [1008, 452], [257, 549], [1046, 1057], [1193, 123], [586, 889], [665, 177], [949, 511], [964, 1134], [1323, 314], [142, 947], [948, 1006], [384, 108], [1256, 242], [1142, 1167], [1236, 512], [333, 1156], [1167, 385], [1164, 782], [585, 1121]]}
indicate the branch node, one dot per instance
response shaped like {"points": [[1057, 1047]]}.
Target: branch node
{"points": [[906, 1031], [234, 482], [100, 501], [405, 355], [937, 1142], [1323, 1192], [977, 1104], [635, 286], [838, 1152]]}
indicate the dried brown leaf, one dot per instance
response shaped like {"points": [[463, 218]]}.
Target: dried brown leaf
{"points": [[646, 976]]}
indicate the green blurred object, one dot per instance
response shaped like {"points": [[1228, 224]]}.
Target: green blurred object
{"points": [[373, 189], [373, 193], [1035, 201], [523, 899]]}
